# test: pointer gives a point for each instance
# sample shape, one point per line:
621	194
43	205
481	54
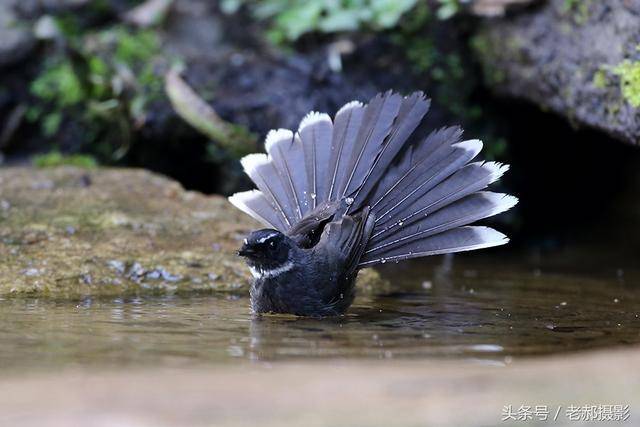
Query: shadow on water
480	308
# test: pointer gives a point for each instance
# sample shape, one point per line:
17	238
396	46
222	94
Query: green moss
629	73
578	10
55	158
600	79
482	46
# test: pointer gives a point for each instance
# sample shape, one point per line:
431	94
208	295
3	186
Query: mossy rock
579	59
69	232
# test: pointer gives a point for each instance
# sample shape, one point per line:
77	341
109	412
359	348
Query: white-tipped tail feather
349	106
277	136
312	118
251	162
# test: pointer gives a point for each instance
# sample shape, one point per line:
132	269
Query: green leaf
51	124
341	20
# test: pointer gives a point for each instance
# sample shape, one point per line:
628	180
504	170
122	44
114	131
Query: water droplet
383	260
313	195
349	201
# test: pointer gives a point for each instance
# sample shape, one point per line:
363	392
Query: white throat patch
260	273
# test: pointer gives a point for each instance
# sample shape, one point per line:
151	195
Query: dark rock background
563	55
536	80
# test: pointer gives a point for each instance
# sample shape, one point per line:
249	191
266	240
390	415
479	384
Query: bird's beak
246	252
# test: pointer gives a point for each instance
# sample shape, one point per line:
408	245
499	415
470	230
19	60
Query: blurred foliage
291	19
55	158
448	8
412	27
98	81
231	138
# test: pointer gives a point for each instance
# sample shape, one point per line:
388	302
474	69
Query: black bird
357	191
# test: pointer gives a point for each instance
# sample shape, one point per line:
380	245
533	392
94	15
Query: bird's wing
347	236
306	232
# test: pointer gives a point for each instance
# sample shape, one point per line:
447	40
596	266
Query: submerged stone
133	232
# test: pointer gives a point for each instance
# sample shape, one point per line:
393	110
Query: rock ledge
68	232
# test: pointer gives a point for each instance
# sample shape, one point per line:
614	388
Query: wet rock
134	232
576	58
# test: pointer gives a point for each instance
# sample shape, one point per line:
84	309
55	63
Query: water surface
483	309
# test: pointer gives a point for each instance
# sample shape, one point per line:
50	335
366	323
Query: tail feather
424	175
347	122
316	132
469	179
266	176
287	155
455	240
438	138
256	204
436	146
377	122
469	209
412	110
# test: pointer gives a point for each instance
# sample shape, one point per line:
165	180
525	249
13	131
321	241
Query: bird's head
266	249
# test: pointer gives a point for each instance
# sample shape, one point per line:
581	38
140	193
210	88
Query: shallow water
483	309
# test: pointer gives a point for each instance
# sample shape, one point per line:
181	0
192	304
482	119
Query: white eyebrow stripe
265	238
260	273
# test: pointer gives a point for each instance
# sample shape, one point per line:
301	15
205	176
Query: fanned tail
421	194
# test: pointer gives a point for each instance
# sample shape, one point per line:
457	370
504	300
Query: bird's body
289	289
313	280
355	192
